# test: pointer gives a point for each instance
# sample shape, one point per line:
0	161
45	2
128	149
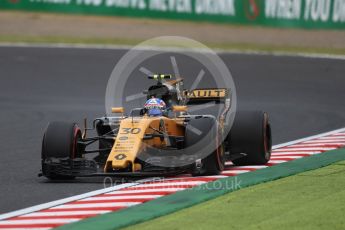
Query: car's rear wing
200	96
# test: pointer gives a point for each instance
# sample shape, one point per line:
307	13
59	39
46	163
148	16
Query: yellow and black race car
175	142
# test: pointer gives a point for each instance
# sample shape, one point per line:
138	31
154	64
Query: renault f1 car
173	143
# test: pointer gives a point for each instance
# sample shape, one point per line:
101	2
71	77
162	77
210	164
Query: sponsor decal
252	9
155	103
123	138
120	156
338	11
206	93
313	11
317	10
283	9
180	6
54	1
283	13
215	7
199	7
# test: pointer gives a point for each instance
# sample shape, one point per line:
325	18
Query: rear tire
213	163
60	141
251	134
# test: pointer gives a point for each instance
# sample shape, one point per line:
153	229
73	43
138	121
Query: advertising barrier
317	14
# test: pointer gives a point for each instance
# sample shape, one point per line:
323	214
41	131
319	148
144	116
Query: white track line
169	184
287	157
308	138
324	141
96	205
172	190
66	200
171	49
65	213
134	197
236	171
293	153
146	187
333	138
301	149
247	166
310	145
339	134
276	161
188	177
42	221
24	228
196	177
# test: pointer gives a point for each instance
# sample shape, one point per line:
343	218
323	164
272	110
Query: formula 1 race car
175	142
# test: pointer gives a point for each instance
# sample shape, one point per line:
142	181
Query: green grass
130	42
310	200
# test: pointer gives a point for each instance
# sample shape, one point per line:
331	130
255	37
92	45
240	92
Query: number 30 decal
130	131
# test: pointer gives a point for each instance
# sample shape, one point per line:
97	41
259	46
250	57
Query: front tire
213	163
60	141
251	135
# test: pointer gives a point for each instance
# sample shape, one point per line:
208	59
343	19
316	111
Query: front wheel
212	162
60	141
250	136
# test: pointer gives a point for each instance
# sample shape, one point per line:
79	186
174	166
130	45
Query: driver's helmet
155	107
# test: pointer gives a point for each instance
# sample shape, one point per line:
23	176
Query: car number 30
130	131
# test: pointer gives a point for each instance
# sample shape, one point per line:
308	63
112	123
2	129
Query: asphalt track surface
304	96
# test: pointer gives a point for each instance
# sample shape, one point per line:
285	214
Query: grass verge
130	42
310	200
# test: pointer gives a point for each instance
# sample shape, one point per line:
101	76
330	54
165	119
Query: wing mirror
179	108
118	110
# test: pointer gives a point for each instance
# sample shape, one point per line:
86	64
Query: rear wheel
60	141
250	135
196	130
